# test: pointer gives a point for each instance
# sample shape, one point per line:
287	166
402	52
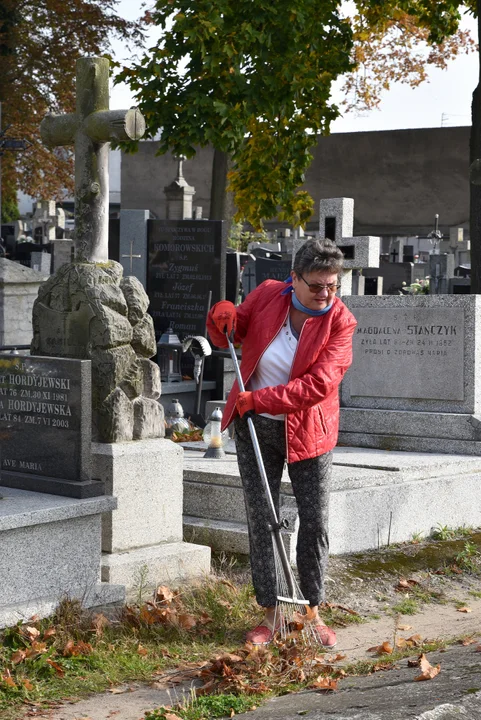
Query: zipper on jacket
288	380
260	356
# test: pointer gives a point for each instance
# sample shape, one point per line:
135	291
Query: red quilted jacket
310	400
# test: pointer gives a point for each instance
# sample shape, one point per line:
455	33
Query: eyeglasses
314	288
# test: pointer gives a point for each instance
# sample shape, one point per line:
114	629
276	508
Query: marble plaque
413	353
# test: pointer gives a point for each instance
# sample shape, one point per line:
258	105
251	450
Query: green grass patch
210	706
407	606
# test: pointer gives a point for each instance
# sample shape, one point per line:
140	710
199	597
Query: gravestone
267	269
41	261
441	270
248	279
62	253
23	252
132	253
45	424
459	286
395	274
336	222
179	195
373	285
186	260
89	310
235	262
413	382
19	286
336	218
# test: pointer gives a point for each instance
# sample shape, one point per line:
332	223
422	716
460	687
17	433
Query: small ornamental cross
131	256
90	129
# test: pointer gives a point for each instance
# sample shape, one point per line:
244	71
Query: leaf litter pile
192	636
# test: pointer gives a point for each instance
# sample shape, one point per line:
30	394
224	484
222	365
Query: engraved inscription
408	353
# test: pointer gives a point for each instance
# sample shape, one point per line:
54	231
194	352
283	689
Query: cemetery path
436	622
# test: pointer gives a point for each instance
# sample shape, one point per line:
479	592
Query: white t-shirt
274	367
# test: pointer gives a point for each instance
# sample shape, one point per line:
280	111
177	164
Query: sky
445	100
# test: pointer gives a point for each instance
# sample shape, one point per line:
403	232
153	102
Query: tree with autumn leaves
40	41
254	80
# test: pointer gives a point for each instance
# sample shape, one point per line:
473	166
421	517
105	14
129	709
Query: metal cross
90	129
131	256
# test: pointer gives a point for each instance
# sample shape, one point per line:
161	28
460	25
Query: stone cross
337	215
90	129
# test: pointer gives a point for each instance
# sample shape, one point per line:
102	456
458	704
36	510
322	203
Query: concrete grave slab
396	494
50	550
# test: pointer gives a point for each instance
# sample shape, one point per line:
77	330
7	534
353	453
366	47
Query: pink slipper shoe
262	634
324	635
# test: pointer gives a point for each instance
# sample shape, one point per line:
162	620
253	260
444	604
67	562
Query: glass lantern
213	436
174	418
169	354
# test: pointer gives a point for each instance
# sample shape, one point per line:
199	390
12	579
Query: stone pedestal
144	535
50	550
19	287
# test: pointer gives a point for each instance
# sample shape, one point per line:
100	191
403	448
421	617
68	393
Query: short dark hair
316	255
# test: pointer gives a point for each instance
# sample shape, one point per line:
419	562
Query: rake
291	614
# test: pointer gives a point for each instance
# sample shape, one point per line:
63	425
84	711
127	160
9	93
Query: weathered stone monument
89	310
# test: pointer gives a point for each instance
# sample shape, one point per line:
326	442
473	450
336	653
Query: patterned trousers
310	483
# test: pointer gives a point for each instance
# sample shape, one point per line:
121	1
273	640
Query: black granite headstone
186	260
235	262
114	239
45	425
272	269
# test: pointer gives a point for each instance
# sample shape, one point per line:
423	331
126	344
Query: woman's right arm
243	315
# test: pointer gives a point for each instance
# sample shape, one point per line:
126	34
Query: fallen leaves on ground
324	683
428	671
404	585
465	609
165	609
260	669
413	641
384	649
468	641
337	606
80	648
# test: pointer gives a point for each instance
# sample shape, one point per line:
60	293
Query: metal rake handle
260	464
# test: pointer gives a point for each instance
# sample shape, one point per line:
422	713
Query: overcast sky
444	100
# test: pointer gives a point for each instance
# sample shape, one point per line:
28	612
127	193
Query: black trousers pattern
310	483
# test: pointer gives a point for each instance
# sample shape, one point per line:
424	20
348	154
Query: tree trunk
475	190
221	201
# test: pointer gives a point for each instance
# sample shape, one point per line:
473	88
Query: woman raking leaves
296	342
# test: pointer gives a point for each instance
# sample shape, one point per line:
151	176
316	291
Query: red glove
224	316
245	403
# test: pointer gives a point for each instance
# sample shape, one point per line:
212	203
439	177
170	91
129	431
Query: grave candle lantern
169	353
214	437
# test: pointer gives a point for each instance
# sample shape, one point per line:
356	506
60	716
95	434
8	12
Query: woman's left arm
322	378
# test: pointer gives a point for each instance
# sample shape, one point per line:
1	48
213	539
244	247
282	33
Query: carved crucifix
90	129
